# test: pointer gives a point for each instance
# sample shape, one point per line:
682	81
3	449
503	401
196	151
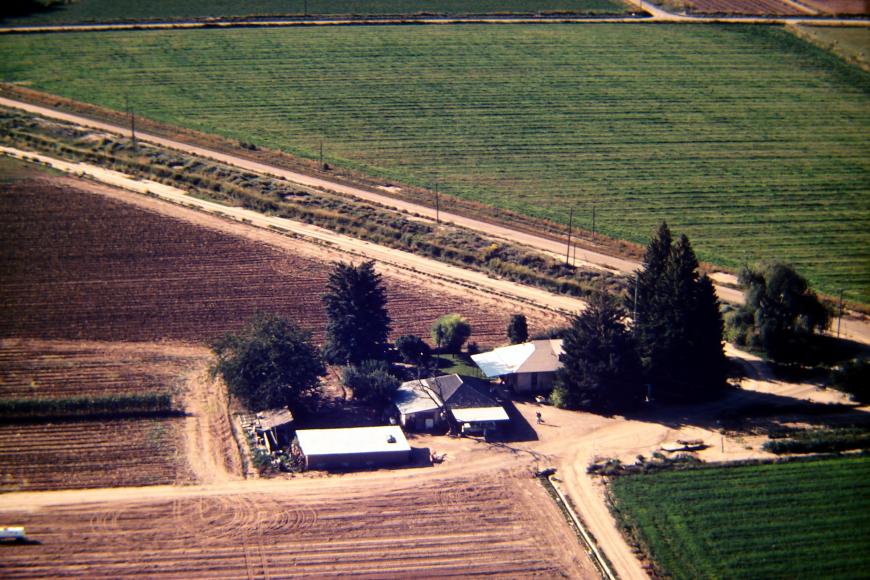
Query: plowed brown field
498	525
855	7
80	266
93	454
743	7
39	368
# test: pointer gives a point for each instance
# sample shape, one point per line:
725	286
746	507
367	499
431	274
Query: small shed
356	447
275	426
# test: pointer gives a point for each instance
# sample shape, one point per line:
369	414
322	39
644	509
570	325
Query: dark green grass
808	519
749	140
127	10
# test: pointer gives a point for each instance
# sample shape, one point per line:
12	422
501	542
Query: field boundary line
598	558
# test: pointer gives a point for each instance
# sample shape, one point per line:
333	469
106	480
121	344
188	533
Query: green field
126	10
807	519
851	43
749	140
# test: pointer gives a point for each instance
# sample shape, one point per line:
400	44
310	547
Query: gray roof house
527	367
425	404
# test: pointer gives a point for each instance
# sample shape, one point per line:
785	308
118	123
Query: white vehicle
13	534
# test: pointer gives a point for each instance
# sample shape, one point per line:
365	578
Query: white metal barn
356	447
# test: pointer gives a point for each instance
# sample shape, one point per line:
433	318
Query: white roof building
353	447
538	356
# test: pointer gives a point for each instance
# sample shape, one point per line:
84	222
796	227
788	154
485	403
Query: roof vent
391	439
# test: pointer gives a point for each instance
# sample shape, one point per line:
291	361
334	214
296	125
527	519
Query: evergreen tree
679	325
357	320
269	363
518	329
601	369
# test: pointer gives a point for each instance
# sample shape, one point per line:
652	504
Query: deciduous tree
450	332
781	312
269	363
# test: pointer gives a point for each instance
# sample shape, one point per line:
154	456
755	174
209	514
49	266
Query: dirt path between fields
657	15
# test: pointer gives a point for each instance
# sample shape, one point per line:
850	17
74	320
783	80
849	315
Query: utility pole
437	205
321	153
570	225
840	315
593	222
132	121
634	316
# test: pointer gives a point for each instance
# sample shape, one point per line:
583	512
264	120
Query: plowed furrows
42	369
130	274
90	454
259	535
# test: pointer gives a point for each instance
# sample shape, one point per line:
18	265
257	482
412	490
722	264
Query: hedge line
81	407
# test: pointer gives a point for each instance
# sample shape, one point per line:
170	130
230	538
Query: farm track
760	12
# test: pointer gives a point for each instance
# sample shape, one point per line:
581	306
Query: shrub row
273	196
87	407
821	441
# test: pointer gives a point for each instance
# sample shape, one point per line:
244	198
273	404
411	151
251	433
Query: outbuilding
424	404
356	447
529	367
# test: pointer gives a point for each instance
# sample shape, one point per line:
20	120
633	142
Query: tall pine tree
601	369
356	309
679	325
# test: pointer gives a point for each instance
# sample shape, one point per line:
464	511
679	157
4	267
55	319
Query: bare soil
136	275
502	525
836	7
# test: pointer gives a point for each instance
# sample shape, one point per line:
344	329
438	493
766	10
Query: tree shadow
745	410
517	429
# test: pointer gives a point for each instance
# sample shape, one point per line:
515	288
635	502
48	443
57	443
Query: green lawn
793	520
125	10
749	140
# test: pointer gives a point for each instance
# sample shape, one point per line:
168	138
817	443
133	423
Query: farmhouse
357	447
426	404
527	367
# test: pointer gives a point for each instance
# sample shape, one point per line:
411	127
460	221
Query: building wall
417	421
532	382
357	460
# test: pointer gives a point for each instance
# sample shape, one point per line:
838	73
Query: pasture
129	10
805	519
720	130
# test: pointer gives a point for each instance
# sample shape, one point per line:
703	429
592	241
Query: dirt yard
501	525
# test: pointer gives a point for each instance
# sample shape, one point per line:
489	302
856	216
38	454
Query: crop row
92	454
716	129
740	521
36	370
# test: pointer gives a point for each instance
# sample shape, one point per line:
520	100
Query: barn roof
538	356
352	440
